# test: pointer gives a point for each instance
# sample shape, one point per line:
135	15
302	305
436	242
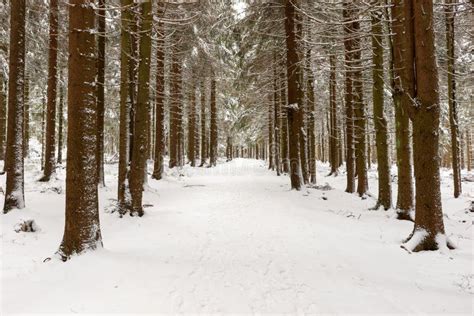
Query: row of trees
287	81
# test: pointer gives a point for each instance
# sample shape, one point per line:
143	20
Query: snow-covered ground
236	239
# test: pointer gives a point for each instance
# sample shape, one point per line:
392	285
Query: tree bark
403	94
100	91
294	80
60	124
82	226
123	194
140	143
348	14
428	233
380	122
192	126
49	161
453	111
159	100
213	127
3	117
26	120
14	194
203	124
333	139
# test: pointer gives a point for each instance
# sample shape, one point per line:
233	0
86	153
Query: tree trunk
333	140
14	194
123	196
49	160
192	126
82	226
294	80
284	122
428	233
453	111
3	117
213	127
159	100
271	129
404	90
60	125
203	124
380	122
276	119
26	119
311	123
360	119
348	14
100	91
140	144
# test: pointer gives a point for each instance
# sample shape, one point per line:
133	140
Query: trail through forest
235	239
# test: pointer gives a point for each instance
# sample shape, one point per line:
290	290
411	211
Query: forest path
235	239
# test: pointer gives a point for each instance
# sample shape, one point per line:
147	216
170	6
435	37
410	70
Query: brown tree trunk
453	111
276	119
123	194
140	144
428	233
192	126
49	160
311	123
380	122
213	127
284	122
348	15
100	91
14	194
175	108
404	90
159	100
294	80
203	124
3	117
333	140
360	119
271	129
26	119
82	226
60	125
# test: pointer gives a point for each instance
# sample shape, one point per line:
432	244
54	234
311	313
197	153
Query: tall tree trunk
380	122
271	130
49	161
175	108
60	125
82	226
3	117
453	111
404	91
192	126
333	139
100	91
348	15
428	233
284	121
14	194
276	118
213	127
294	80
311	123
126	97
159	100
26	117
140	144
360	119
203	124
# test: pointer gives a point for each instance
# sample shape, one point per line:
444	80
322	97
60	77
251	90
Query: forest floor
235	239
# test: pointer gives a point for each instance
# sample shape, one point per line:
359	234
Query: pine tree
453	107
213	127
404	89
294	81
428	233
140	143
14	194
100	91
82	226
50	161
380	122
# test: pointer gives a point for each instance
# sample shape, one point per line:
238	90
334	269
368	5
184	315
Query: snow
236	239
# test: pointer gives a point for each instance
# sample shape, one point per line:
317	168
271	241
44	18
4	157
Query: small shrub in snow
28	226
